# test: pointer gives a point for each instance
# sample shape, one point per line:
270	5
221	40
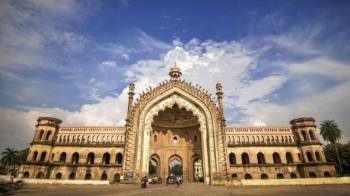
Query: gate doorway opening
175	167
198	170
175	142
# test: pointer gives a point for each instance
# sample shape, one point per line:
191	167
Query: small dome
175	72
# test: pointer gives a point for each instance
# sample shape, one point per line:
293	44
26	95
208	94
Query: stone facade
176	125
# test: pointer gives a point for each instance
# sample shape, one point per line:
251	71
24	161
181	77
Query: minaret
175	72
131	98
219	94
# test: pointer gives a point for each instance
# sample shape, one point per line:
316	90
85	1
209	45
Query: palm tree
9	157
331	133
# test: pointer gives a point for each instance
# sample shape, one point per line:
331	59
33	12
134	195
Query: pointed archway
205	128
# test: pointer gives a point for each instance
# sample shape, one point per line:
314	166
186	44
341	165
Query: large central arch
190	103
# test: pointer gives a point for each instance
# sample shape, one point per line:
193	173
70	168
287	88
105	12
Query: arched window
52	156
312	135
261	158
91	158
119	158
245	158
276	158
63	157
248	176
40	175
234	175
26	174
326	174
318	156
289	158
35	156
41	134
312	175
75	158
58	176
104	176
106	158
280	176
43	156
155	138
88	176
293	175
48	134
232	159
305	138
264	176
175	140
195	139
71	176
117	178
309	157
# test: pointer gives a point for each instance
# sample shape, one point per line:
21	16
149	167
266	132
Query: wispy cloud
27	33
107	65
150	42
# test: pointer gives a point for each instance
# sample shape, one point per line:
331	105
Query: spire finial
175	72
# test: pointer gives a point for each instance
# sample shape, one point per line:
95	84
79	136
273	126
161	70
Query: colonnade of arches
72	176
175	166
291	175
245	158
259	139
90	138
75	158
308	135
44	135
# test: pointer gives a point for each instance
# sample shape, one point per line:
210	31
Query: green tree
331	133
176	169
22	155
10	158
152	170
344	154
2	169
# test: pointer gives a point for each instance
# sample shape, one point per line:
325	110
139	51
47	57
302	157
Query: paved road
183	190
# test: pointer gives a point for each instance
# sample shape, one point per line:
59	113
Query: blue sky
277	60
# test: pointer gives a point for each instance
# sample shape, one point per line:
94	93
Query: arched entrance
197	169
174	139
154	166
139	131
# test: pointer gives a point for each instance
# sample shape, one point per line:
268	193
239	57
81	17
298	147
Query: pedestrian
178	181
144	182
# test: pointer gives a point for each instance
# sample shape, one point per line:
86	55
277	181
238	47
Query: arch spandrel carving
168	85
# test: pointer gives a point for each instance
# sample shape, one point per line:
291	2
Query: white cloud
331	104
259	89
150	42
93	89
297	40
323	66
107	65
29	28
117	49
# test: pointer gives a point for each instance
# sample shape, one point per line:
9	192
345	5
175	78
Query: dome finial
175	72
